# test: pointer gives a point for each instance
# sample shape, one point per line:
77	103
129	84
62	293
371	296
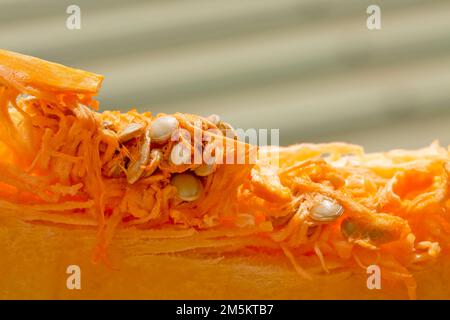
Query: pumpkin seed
348	228
162	128
227	130
189	187
326	210
156	156
180	154
133	130
205	169
374	233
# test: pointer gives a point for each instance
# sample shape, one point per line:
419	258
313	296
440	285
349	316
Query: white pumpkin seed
205	169
180	154
131	131
156	156
162	128
136	166
326	210
189	187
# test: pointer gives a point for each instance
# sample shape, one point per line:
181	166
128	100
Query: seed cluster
144	147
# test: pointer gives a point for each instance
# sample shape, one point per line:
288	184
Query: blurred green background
308	67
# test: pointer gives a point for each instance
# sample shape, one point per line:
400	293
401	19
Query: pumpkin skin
35	257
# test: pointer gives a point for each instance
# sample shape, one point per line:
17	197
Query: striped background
308	67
